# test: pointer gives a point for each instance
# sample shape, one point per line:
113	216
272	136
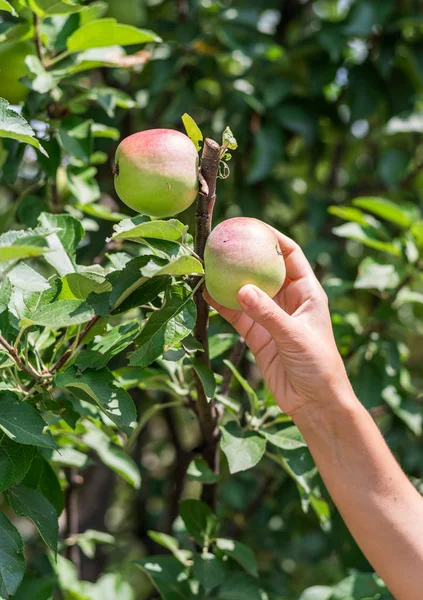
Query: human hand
291	335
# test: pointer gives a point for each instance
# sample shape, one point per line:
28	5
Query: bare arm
292	340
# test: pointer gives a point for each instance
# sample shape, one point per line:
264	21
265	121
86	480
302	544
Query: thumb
262	309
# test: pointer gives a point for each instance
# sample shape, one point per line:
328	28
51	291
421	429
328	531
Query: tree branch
66	356
235	358
206	411
38	43
28	369
72	515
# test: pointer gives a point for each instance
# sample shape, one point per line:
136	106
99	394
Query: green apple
240	251
157	172
13	68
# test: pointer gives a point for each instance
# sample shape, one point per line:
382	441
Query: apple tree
141	454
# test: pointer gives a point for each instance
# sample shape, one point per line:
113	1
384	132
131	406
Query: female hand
291	336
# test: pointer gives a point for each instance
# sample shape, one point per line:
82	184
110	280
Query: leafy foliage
100	370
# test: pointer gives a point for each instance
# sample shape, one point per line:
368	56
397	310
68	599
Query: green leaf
366	15
75	137
172	544
44	8
366	236
15	461
317	592
112	456
228	139
402	214
12	561
289	438
416	230
182	265
78	286
168	575
206	376
367	586
221	343
41	477
43	81
169	325
374	274
252	396
243	449
171	230
30	503
193	131
349	213
102	349
239	586
98	386
63	242
62	313
209	570
24	277
4	5
199	520
409	412
101	33
15	127
23	423
8	253
200	471
241	553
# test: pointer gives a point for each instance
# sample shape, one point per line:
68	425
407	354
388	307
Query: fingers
264	311
237	318
297	266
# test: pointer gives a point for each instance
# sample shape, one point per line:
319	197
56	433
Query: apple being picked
241	251
157	172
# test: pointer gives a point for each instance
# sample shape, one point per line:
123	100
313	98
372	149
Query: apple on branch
240	251
156	172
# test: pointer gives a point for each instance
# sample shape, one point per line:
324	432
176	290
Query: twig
235	358
28	369
72	515
74	347
38	43
206	411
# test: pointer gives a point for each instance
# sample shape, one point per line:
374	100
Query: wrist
326	414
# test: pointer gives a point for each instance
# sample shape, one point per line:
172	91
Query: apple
13	68
241	251
156	172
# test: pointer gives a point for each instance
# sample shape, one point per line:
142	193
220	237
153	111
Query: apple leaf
12	561
171	230
193	131
13	126
4	5
183	265
102	33
243	449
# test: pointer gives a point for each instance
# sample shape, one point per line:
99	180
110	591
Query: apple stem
208	415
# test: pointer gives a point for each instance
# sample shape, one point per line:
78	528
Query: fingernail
248	296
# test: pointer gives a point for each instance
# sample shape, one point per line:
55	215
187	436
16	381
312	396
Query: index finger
297	266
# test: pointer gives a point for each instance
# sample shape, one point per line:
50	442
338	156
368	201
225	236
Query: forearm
379	505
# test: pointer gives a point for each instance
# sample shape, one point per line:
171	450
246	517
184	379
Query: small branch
75	347
28	369
72	516
38	43
206	411
235	358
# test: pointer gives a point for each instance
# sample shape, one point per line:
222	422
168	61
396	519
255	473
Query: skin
157	172
13	68
292	340
240	251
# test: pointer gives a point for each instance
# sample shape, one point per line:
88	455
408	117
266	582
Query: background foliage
101	454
